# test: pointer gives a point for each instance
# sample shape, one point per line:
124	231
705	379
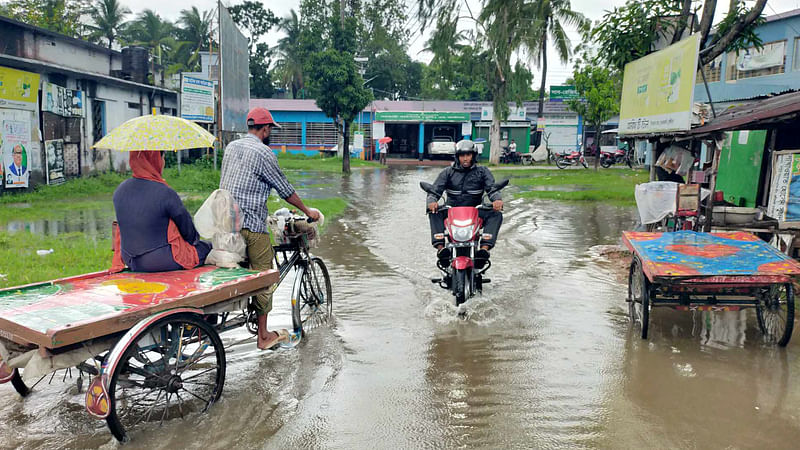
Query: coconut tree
151	31
552	15
109	21
289	65
195	32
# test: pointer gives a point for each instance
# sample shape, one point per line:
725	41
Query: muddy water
545	359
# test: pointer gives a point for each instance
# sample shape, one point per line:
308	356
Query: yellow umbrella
157	133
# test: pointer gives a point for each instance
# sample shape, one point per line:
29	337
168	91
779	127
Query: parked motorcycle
463	229
570	159
618	155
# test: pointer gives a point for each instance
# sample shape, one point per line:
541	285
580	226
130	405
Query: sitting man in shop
465	183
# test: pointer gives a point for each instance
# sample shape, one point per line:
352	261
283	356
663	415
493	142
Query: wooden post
712	185
653	153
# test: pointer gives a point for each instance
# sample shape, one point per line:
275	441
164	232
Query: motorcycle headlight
461	234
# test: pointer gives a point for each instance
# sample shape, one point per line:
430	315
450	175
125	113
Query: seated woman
156	231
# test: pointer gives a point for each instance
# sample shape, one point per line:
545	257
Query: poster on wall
15	142
62	101
197	99
55	161
784	191
19	89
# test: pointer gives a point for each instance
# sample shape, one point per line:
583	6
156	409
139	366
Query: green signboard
740	166
563	93
421	116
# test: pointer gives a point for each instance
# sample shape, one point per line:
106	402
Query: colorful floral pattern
685	253
157	133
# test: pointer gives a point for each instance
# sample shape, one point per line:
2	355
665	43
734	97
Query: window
796	58
291	133
321	133
752	63
98	119
133	105
713	71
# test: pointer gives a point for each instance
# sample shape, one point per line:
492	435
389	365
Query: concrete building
71	92
753	73
413	124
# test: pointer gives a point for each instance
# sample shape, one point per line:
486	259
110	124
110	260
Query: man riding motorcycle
465	182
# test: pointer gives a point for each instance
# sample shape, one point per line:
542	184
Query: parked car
443	143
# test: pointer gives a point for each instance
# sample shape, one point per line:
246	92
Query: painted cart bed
71	310
688	270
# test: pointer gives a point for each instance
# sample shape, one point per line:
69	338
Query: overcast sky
556	72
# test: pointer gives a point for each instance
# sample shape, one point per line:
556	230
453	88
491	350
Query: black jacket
464	187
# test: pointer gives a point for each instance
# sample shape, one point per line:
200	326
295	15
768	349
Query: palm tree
109	21
152	32
195	31
552	15
289	65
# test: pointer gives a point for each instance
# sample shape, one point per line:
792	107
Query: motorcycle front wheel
605	162
561	162
461	286
583	161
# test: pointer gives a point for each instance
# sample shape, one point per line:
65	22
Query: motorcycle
618	155
570	159
463	229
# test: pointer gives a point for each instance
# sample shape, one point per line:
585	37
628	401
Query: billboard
561	93
197	99
235	74
658	90
18	89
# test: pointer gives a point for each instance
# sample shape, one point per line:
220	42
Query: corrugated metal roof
284	104
783	15
753	115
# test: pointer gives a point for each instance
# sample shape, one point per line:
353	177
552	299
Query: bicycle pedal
486	281
436	280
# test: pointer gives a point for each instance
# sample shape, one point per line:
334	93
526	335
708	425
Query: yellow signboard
658	90
18	89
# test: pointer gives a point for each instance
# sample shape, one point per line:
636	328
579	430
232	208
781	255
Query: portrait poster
15	139
55	161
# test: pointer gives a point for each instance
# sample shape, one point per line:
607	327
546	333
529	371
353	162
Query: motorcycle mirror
500	185
427	187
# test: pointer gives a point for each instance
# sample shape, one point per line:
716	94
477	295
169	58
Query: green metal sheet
421	116
740	166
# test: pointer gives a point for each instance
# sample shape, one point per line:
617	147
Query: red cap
261	116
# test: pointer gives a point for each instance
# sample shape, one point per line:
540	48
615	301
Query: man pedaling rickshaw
465	183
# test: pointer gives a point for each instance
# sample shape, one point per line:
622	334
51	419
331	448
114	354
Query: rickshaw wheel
638	296
775	313
19	385
175	367
312	297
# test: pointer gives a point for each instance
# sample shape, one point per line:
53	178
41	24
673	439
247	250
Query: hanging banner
55	161
15	141
658	90
358	140
197	99
378	130
769	56
18	89
62	101
784	191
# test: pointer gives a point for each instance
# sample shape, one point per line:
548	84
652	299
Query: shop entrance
405	140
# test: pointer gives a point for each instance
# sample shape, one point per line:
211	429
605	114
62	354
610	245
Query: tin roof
752	115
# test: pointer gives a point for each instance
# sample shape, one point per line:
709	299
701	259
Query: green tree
156	34
109	21
631	31
552	15
333	72
599	89
256	22
289	65
60	16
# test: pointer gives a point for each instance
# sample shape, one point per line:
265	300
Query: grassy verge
289	161
73	254
611	186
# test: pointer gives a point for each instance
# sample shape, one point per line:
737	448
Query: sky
556	71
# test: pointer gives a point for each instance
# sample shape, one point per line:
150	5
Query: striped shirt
249	171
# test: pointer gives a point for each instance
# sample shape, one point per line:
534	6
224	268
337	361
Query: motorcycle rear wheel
605	162
561	162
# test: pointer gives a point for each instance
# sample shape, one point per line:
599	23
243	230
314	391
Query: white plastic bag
220	219
283	235
540	154
655	200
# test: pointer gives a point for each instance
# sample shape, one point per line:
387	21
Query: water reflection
94	223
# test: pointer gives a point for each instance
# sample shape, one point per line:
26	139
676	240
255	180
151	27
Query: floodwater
546	358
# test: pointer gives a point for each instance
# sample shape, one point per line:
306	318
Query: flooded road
546	358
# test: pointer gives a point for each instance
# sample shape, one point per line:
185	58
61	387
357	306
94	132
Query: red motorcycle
463	229
570	159
618	155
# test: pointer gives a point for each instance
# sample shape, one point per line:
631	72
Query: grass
76	253
73	254
290	161
610	186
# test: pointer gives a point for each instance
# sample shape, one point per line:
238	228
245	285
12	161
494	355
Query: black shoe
444	255
481	258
